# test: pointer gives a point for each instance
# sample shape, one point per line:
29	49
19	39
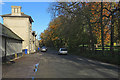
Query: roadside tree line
81	24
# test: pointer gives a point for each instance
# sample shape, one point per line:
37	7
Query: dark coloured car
44	49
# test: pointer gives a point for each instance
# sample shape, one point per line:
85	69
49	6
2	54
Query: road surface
50	65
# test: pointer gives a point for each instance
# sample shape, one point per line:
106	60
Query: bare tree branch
107	9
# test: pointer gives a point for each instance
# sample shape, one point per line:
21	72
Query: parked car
43	49
63	51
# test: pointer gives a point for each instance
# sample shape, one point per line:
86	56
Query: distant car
63	51
44	49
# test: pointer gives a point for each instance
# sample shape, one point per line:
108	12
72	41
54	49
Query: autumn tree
80	23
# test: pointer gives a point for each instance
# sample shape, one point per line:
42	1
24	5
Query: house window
16	10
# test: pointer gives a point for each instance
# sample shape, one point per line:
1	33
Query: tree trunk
112	35
102	29
119	27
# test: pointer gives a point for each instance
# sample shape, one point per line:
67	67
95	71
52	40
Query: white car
63	51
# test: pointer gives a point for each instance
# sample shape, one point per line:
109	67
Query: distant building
37	44
33	38
34	42
11	43
20	24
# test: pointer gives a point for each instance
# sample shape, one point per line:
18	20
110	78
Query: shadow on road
101	68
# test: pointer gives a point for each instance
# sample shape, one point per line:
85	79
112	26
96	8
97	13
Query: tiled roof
6	32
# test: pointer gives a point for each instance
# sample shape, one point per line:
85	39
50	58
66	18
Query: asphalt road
51	65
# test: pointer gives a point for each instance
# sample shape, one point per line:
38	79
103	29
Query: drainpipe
5	50
35	42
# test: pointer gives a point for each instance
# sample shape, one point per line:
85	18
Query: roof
6	32
22	15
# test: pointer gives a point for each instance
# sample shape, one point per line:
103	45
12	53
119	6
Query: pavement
51	65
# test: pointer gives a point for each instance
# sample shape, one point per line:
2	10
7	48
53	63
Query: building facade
34	42
20	24
11	43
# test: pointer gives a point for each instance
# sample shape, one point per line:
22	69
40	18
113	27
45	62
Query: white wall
19	26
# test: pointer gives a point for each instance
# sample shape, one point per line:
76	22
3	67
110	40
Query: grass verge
106	57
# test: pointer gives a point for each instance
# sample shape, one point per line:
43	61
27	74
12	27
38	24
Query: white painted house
20	24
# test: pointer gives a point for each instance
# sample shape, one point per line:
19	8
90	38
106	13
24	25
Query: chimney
16	10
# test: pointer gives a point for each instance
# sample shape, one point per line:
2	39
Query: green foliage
76	25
